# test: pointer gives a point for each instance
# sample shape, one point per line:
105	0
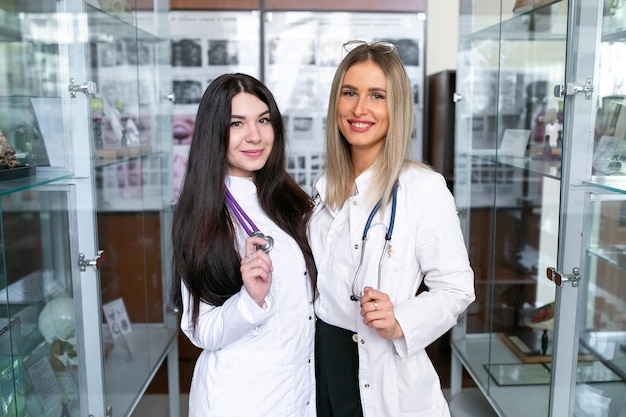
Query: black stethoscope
392	220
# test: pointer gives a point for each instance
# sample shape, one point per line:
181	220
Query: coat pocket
418	386
246	382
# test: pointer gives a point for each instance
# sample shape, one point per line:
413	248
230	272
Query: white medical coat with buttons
256	362
396	377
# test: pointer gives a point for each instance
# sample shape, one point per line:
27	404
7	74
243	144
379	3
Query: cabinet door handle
571	89
559	278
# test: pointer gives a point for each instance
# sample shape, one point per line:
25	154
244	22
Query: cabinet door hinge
88	88
571	89
96	261
559	278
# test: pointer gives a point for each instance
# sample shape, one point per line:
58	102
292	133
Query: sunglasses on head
382	46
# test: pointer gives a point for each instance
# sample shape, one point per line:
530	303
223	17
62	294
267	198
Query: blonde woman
382	225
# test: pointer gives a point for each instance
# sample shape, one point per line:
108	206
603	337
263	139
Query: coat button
367	385
355	338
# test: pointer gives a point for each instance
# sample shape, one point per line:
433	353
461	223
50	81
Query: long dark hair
205	257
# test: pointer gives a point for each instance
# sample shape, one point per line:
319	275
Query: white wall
442	33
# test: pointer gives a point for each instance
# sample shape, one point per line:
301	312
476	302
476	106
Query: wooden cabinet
439	132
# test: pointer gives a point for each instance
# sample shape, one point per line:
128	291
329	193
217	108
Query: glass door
538	184
84	112
601	378
507	187
130	159
541	132
42	354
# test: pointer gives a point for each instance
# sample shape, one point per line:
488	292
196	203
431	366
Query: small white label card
604	152
45	383
117	318
514	142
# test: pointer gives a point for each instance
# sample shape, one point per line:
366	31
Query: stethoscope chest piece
248	225
269	242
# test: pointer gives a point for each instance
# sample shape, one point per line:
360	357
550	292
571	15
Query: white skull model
57	322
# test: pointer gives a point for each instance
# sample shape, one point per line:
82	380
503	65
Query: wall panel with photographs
204	46
303	51
296	57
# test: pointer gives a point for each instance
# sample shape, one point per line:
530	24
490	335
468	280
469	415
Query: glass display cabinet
540	185
85	206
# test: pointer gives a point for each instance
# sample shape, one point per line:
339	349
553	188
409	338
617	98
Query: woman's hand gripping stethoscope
256	270
377	313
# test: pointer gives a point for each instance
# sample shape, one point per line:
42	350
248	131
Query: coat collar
362	183
240	187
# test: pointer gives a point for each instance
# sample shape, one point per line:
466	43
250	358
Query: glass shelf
531	165
101	163
34	288
614	183
96	26
478	350
616	255
126	379
107	27
532	25
42	176
548	168
616	35
610	346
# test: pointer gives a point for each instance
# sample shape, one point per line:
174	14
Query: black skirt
336	371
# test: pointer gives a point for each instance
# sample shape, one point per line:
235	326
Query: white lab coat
256	362
396	377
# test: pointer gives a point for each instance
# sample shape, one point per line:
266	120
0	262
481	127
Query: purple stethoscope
247	223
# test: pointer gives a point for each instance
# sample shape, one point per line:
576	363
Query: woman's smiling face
251	135
362	114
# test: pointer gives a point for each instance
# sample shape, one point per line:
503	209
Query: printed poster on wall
204	46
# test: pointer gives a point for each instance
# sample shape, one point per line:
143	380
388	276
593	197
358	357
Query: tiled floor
157	405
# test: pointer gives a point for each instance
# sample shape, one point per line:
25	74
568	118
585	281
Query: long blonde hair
390	161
